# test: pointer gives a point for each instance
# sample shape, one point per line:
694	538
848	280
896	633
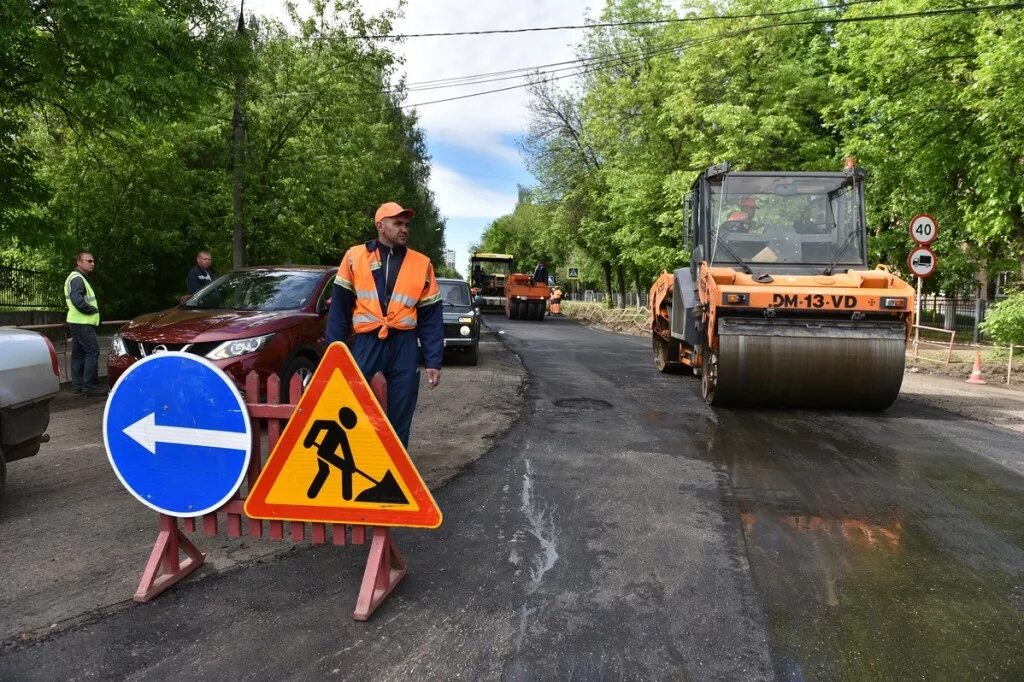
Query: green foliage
115	137
524	233
1004	322
930	106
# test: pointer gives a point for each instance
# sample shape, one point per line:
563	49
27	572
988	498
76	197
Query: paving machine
524	298
778	306
488	272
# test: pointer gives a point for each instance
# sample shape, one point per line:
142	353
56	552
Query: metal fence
962	315
633	299
30	289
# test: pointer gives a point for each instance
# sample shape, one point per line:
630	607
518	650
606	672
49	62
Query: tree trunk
607	268
641	295
621	272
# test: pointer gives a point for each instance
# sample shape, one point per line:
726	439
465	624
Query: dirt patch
472	408
996	364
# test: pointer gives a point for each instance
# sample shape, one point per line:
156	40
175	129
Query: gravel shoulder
73	542
992	403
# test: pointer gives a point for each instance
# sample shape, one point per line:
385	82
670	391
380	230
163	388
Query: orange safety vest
415	287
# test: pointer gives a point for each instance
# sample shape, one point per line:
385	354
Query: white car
29	379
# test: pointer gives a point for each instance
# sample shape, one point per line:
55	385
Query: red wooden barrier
384	568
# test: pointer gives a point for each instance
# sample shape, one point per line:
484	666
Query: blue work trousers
397	357
85	353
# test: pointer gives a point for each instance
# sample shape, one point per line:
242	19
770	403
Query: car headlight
465	320
232	349
117	346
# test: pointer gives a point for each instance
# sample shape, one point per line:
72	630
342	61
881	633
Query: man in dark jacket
540	275
386	306
201	274
83	319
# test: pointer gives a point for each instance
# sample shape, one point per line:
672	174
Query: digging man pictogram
335	437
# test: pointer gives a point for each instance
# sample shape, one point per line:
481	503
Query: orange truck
778	305
524	298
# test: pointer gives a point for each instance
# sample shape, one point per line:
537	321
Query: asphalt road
622	529
73	541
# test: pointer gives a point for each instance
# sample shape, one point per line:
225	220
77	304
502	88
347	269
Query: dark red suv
268	319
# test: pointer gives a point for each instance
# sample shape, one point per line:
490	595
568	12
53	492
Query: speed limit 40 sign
923	229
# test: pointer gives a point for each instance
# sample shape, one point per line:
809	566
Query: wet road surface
625	530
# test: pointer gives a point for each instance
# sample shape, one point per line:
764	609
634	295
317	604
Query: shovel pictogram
334	437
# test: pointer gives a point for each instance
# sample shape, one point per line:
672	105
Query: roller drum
809	363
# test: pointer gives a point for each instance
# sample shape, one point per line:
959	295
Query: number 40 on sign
924	229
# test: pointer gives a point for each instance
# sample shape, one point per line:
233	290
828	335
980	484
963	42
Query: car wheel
302	366
472	354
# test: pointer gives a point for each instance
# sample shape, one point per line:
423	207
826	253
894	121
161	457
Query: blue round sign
177	434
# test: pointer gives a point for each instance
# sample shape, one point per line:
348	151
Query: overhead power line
730	34
618	24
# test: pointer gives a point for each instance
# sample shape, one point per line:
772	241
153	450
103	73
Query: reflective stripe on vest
76	316
415	280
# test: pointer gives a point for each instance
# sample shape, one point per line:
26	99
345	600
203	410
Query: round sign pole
917	315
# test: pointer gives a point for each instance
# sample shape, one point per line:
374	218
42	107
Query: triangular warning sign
339	460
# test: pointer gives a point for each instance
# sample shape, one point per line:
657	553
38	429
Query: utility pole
238	152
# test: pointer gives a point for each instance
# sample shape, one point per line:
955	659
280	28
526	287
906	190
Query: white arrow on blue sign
177	434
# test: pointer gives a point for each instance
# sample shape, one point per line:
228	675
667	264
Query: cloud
459	197
481	126
476	121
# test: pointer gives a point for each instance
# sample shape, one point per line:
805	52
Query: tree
327	141
95	66
524	234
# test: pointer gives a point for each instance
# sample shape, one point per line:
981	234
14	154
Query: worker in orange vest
742	220
385	299
556	301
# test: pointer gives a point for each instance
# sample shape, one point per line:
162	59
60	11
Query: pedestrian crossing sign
339	460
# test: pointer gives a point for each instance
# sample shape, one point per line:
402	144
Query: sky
475	164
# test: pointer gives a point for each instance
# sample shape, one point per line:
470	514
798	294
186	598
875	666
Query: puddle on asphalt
903	561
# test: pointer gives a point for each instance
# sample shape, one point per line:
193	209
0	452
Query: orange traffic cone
976	377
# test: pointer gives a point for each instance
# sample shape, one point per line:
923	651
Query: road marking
146	433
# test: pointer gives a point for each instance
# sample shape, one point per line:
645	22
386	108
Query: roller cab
778	306
488	274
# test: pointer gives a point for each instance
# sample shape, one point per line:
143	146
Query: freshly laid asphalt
623	529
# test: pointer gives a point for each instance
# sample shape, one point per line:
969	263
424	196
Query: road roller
778	306
524	298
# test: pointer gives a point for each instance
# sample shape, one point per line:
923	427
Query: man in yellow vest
83	319
385	299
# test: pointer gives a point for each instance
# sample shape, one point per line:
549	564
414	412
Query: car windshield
258	290
455	293
811	221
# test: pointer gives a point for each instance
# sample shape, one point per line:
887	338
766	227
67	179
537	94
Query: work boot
98	392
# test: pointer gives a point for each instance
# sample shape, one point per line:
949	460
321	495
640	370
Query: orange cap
748	202
390	210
